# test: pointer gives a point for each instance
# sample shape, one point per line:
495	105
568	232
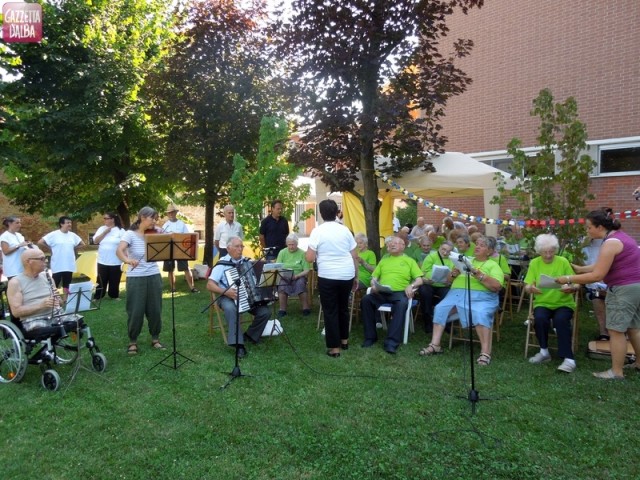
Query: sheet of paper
548	282
460	264
439	273
381	288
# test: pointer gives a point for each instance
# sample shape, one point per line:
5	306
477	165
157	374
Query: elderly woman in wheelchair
39	333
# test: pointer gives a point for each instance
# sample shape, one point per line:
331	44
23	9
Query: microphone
466	262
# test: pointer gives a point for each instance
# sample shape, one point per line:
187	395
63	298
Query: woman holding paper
432	291
551	304
618	265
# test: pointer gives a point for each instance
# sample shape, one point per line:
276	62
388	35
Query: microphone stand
474	395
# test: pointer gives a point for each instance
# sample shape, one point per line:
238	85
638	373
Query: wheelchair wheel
66	349
13	360
99	362
50	380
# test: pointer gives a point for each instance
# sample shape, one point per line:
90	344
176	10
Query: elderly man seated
292	258
486	280
219	284
31	294
393	281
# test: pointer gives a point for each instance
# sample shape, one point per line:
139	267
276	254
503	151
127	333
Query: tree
363	71
273	178
554	184
79	136
215	88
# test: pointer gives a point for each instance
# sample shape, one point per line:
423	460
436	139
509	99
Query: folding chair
460	334
532	340
217	312
354	309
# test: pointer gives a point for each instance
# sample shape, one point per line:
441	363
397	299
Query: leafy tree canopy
79	136
210	97
272	178
363	71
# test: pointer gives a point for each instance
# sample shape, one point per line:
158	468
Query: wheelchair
47	347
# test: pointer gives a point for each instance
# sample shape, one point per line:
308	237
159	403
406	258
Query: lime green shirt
293	261
432	259
550	297
363	274
502	261
397	271
488	267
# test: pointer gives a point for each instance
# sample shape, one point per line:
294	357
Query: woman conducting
333	247
618	266
144	283
551	304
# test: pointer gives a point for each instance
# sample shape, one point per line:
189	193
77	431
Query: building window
617	159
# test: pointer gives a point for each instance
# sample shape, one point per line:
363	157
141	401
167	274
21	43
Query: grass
303	415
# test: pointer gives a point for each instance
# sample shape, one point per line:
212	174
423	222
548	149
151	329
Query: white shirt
174	227
225	230
137	250
108	246
12	264
63	254
333	244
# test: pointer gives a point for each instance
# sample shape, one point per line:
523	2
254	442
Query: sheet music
440	273
460	264
548	282
80	297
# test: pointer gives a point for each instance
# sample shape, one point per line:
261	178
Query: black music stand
80	299
171	246
271	279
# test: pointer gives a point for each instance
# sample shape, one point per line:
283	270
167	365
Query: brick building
587	49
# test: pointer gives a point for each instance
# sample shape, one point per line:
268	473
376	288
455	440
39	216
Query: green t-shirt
413	251
502	261
397	271
434	258
294	261
363	274
550	297
488	267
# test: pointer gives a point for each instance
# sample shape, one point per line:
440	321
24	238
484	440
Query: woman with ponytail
144	283
618	265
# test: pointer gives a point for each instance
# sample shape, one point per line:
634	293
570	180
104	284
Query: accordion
250	294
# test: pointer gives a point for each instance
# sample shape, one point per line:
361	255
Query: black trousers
108	281
334	297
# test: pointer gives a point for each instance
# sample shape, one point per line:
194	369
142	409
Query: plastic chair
409	318
532	340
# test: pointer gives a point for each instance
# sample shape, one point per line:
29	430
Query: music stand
270	278
171	246
80	299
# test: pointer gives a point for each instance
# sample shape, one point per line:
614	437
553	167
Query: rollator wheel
99	362
13	361
50	380
67	349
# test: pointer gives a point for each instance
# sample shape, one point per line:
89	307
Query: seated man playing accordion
219	284
31	294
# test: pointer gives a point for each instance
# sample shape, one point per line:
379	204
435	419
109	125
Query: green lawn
303	415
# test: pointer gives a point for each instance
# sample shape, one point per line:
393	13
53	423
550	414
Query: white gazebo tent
456	175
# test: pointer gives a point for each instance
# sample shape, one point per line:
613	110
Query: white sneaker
567	366
540	358
378	325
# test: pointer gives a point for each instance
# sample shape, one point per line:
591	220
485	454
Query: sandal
431	350
157	345
608	375
132	349
484	359
603	338
631	366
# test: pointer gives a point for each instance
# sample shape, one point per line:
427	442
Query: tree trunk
209	212
125	215
371	204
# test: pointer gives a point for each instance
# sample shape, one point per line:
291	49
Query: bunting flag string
492	221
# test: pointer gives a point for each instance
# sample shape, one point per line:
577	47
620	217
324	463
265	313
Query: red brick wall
587	49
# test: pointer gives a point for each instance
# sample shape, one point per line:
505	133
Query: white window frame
615	144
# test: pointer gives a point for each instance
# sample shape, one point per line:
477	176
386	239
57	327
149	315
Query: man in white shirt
173	225
227	229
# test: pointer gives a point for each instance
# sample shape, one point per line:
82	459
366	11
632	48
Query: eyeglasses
42	259
107	218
